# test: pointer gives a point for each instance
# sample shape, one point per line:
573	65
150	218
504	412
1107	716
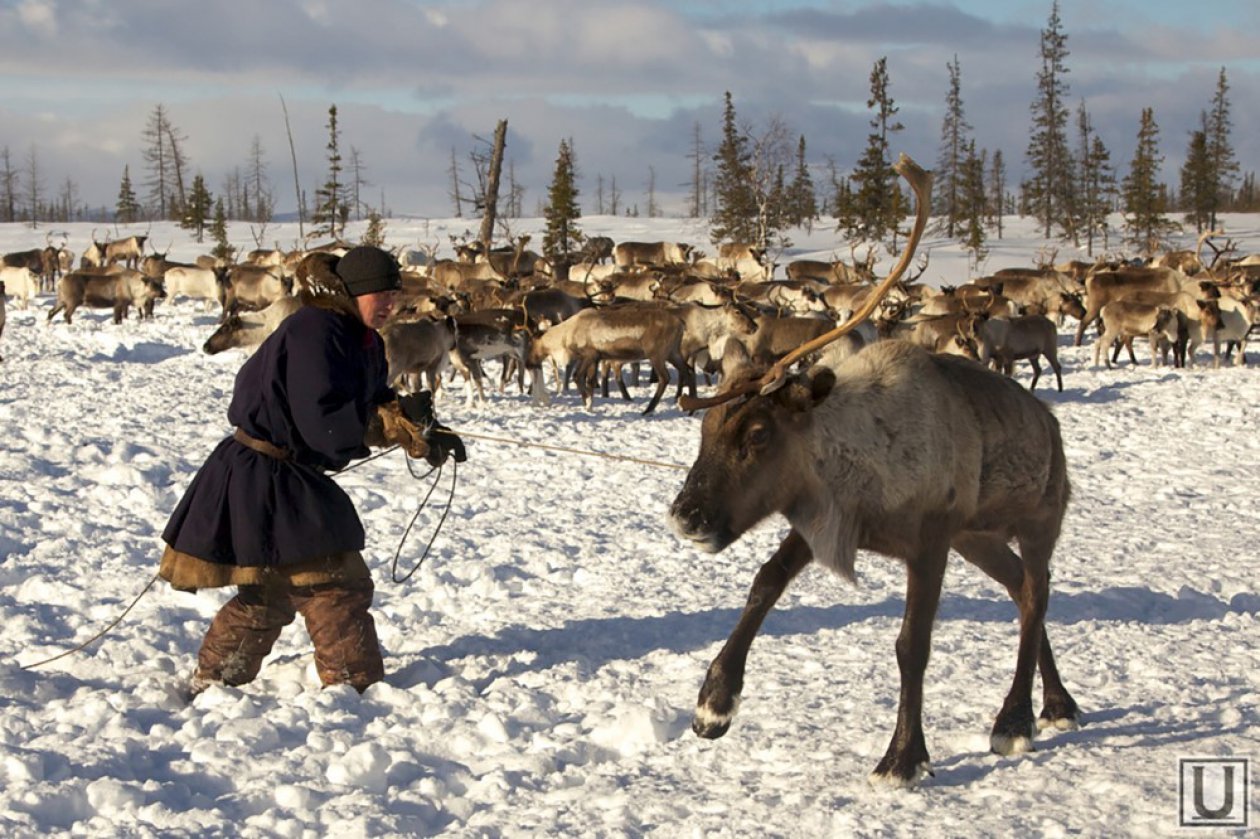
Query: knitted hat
367	269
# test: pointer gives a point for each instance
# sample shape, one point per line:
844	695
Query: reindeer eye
758	435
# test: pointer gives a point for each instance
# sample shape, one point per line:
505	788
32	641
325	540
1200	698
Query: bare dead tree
8	187
297	184
697	156
357	181
492	186
34	186
179	163
769	152
256	176
516	192
456	196
614	196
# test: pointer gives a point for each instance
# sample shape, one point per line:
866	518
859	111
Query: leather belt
261	446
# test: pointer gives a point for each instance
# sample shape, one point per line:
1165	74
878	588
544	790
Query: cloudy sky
626	81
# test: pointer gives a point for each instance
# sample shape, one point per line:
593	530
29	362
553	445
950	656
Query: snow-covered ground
543	664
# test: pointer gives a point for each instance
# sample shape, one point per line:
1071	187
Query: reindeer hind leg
1013	729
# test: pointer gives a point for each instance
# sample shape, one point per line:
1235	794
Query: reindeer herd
618	306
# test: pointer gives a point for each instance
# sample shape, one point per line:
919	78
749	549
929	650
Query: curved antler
920	181
1198	249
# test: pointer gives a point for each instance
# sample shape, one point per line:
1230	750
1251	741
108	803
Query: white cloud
39	15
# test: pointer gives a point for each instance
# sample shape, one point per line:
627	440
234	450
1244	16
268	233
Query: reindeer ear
805	392
821	384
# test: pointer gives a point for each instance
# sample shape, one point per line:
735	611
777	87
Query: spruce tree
735	206
777	209
997	191
219	233
330	197
1224	167
1145	198
562	238
1049	191
1096	183
1248	198
1198	188
198	208
950	160
375	233
972	203
874	205
802	203
127	209
842	204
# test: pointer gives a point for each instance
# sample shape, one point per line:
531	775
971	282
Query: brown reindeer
890	453
624	333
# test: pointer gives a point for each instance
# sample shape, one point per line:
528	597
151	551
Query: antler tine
689	403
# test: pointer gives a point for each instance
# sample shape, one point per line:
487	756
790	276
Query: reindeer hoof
1059	717
904	764
884	777
711	725
1007	745
1058	724
1013	732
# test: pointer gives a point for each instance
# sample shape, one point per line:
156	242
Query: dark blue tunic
310	389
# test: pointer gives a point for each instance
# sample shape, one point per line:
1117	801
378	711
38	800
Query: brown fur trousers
337	618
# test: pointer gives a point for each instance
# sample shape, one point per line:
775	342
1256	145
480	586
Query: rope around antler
920	181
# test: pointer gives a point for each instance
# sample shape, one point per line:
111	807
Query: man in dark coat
262	513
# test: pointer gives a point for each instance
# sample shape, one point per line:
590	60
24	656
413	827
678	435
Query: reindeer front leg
719	695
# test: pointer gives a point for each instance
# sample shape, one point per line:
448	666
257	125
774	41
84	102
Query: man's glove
443	443
418	407
390	426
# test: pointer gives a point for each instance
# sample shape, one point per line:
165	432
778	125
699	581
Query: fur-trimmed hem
188	573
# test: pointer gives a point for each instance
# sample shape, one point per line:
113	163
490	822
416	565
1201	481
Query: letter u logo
1227	805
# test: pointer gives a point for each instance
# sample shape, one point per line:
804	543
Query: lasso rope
98	635
587	452
393	568
406	533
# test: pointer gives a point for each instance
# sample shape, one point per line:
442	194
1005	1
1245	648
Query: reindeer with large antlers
900	452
